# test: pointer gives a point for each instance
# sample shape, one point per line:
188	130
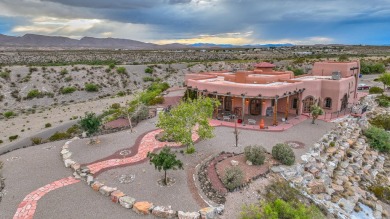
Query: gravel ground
146	188
109	144
28	169
67	202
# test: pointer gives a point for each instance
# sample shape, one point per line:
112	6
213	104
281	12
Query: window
328	103
294	103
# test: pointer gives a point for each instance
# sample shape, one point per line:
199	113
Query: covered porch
252	110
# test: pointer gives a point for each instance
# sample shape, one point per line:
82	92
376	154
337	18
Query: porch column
287	107
243	109
223	104
216	107
299	104
275	123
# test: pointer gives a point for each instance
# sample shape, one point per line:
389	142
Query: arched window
328	103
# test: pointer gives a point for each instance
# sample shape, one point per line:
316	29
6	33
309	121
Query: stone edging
140	207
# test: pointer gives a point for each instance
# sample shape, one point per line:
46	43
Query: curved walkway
27	207
146	143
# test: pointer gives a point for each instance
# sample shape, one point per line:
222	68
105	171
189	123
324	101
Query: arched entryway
344	102
255	107
307	103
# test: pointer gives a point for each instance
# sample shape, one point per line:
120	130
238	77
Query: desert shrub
381	121
6	75
149	70
68	90
111	65
381	192
121	70
378	138
1	164
375	90
64	71
121	93
33	94
59	136
284	154
156	100
67	79
281	209
190	150
91	87
13	137
47	125
1	97
383	100
36	140
146	79
9	114
332	144
73	130
115	106
233	178
1	141
255	154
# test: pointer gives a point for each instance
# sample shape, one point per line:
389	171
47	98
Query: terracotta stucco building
266	92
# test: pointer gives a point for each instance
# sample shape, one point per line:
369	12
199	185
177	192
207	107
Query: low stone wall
126	201
335	174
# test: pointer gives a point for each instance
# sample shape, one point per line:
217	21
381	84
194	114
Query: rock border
140	207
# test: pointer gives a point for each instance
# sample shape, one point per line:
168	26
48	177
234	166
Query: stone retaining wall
335	174
126	201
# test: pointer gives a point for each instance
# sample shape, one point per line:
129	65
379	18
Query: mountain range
41	41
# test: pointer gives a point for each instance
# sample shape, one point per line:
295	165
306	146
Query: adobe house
266	92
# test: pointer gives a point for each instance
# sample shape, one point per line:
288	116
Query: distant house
332	85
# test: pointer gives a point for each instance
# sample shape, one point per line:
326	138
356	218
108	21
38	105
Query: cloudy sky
206	21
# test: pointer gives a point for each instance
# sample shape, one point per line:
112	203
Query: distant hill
41	41
34	40
211	45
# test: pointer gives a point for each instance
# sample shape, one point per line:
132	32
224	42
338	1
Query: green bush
121	70
1	141
156	100
5	75
68	90
381	121
375	90
121	94
59	136
149	70
47	125
115	106
63	72
332	144
33	94
281	209
90	87
383	100
284	154
190	150
233	178
255	154
36	140
13	137
146	79
378	139
8	114
75	129
111	65
381	192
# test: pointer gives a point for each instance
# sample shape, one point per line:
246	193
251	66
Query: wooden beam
287	106
275	123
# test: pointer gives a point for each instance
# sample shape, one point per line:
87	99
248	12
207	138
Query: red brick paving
27	207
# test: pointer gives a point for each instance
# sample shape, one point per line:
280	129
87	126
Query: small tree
236	132
90	123
385	79
316	111
180	122
165	160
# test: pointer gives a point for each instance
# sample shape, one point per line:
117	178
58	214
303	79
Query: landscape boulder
163	212
127	201
188	215
142	207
